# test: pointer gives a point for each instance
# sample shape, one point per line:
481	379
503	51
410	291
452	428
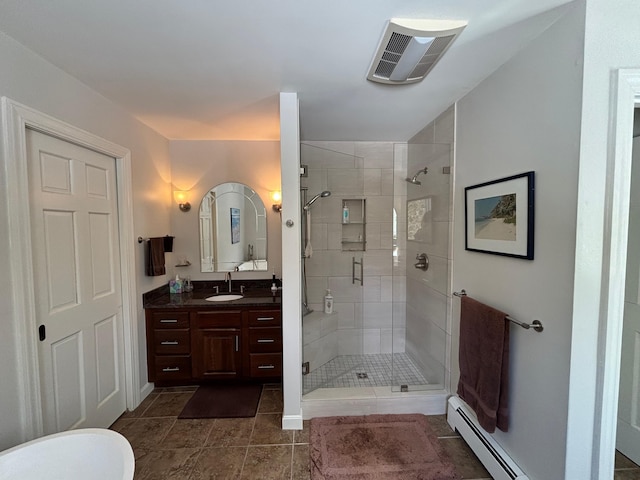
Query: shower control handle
423	262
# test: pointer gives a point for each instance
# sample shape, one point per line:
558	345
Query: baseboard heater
488	451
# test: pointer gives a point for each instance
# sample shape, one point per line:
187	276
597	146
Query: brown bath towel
155	257
484	363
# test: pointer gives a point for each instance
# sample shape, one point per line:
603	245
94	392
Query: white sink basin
224	298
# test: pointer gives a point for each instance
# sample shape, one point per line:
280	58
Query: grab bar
355	279
536	324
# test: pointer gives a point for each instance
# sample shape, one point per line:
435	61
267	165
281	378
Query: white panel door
77	283
628	441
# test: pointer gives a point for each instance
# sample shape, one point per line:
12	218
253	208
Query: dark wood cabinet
190	345
168	345
216	347
264	345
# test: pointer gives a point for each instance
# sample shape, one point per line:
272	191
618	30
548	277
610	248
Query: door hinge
305	368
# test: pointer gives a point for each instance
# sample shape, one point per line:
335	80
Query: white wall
198	166
526	116
291	292
27	79
612	41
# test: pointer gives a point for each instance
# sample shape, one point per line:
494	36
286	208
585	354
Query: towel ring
536	324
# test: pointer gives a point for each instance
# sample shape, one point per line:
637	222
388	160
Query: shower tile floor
348	370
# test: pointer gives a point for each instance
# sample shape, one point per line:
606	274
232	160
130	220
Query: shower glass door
334	241
420	284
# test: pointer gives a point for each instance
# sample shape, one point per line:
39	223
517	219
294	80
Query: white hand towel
308	251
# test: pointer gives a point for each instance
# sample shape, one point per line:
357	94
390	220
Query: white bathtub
91	453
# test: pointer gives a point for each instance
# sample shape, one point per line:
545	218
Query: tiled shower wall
400	308
428	296
362	319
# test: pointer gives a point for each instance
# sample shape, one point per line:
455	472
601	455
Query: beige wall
27	79
198	166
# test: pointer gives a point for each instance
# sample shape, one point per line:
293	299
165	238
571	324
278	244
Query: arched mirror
233	230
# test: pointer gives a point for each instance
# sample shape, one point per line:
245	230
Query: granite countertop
257	294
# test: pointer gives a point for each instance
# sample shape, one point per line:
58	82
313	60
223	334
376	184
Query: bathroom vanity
191	340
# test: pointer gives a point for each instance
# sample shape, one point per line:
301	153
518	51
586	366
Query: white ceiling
207	69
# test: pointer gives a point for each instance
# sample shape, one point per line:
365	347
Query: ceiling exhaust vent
410	48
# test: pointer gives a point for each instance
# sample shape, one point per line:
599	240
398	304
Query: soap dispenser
328	303
175	286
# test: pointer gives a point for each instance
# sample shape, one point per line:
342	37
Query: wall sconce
276	198
182	198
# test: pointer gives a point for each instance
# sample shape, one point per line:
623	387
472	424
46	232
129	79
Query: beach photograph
495	218
499	216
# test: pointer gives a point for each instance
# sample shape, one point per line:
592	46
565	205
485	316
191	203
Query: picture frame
235	225
500	216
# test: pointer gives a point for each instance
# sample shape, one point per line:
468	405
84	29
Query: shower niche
354	224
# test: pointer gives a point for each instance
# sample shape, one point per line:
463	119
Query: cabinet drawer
172	341
265	318
173	367
265	364
222	318
265	340
170	319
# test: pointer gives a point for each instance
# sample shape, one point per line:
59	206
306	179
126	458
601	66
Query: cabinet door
216	353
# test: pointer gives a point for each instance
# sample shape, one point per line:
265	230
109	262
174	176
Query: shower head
414	179
326	193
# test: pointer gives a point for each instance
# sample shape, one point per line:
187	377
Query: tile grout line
253	428
201	450
291	463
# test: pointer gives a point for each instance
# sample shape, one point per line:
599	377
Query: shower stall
389	324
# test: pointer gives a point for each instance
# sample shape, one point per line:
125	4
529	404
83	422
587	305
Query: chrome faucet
227	278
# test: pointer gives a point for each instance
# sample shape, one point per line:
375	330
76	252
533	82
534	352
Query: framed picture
235	225
499	216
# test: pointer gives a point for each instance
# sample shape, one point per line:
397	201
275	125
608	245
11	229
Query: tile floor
343	371
166	447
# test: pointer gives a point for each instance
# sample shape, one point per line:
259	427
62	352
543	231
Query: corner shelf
354	233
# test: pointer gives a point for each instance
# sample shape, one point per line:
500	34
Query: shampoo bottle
328	303
345	213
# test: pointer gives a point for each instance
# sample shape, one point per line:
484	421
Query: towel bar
536	324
